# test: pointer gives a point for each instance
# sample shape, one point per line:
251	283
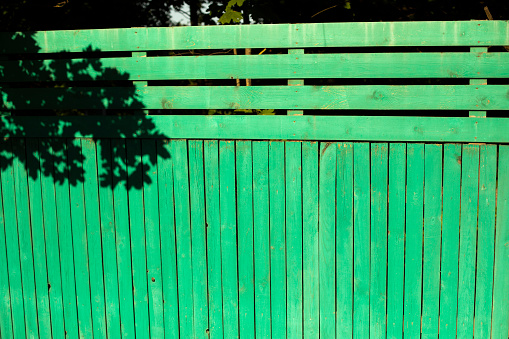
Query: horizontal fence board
369	97
346	128
272	66
424	33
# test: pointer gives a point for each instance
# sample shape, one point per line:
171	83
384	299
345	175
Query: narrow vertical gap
269	226
253	235
302	234
320	154
353	236
423	239
387	181
235	196
285	236
405	236
369	221
495	234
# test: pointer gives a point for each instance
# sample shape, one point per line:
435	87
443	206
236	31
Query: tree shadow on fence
42	85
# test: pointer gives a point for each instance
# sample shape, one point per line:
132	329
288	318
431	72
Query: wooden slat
198	239
362	241
59	149
213	219
244	176
468	240
51	240
277	238
123	239
450	240
310	239
167	227
327	238
485	241
270	66
5	303
261	238
38	240
137	228
424	33
344	241
294	240
79	237
368	97
229	252
413	254
396	240
346	128
94	237
432	239
153	238
108	227
500	325
183	237
378	251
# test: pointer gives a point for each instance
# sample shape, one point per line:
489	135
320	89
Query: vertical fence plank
25	237
107	223
213	239
500	324
432	239
378	271
137	227
245	238
122	237
79	234
327	238
277	238
229	238
261	238
485	241
6	325
183	236
91	193
361	239
38	239
168	246
310	239
344	240
450	240
294	238
414	232
12	241
197	190
396	240
51	239
468	235
153	242
65	234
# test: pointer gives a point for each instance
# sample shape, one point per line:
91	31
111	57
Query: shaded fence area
133	206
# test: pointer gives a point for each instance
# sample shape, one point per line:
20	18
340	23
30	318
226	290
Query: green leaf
230	16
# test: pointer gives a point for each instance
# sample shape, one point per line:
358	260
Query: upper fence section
362	34
403	66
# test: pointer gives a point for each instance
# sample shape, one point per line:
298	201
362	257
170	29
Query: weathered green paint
424	33
271	66
346	128
256	226
375	97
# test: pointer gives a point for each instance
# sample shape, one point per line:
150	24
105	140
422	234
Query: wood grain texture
366	97
424	33
270	66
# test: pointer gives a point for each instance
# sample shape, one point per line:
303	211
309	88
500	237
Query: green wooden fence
285	226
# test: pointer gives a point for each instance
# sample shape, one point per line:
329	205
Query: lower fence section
139	238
